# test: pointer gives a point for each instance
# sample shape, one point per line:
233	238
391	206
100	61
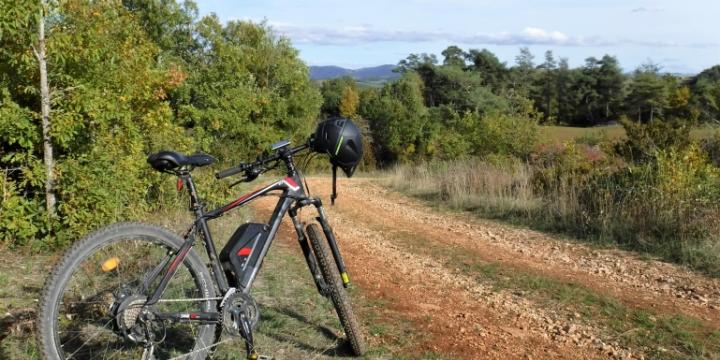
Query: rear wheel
336	290
92	301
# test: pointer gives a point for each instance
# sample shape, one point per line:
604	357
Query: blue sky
681	36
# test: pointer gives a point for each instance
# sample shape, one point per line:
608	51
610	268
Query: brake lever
250	175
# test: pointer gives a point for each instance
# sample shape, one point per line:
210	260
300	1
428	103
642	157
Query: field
560	134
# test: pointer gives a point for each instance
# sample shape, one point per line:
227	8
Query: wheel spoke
98	312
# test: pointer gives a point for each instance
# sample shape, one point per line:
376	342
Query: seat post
195	204
197	207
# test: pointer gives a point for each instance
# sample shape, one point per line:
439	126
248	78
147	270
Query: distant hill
375	73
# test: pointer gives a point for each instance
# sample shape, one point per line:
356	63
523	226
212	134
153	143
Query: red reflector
179	184
244	252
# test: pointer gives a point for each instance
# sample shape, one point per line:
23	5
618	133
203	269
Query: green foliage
663	206
398	120
647	94
505	135
128	79
332	93
22	218
250	90
705	90
644	140
447	112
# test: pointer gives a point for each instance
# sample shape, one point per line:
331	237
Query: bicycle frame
291	198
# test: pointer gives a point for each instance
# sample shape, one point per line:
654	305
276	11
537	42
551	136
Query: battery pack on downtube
241	255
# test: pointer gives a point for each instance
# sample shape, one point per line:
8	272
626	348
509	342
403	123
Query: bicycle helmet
340	138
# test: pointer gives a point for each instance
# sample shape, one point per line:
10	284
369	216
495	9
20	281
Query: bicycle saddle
170	160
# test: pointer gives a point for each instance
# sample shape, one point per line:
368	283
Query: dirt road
483	289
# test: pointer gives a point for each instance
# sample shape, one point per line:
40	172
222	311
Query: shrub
667	205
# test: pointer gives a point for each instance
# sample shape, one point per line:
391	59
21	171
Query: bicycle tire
54	289
337	292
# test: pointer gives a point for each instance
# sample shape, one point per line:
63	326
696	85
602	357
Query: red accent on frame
239	200
177	260
179	185
194	316
291	182
244	252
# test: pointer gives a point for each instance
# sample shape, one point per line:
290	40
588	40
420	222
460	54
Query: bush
666	206
21	218
505	135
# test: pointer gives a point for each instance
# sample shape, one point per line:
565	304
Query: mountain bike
134	290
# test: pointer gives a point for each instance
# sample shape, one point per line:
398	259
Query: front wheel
92	304
336	290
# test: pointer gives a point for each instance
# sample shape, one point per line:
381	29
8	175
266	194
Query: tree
647	95
494	73
609	84
332	93
524	60
250	90
705	93
523	71
547	89
454	56
563	86
398	119
169	24
48	158
416	62
426	66
349	102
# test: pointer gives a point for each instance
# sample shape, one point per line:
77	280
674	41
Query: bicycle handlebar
229	172
254	168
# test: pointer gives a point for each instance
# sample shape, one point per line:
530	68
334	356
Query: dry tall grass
667	209
504	187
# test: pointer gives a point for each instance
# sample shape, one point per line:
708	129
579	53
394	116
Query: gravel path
468	318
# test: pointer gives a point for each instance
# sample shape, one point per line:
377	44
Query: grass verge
296	322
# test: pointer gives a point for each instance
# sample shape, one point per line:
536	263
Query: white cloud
353	35
643	9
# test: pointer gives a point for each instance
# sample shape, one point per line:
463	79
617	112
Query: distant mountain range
382	72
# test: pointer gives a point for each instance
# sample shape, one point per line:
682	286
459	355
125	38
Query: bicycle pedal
256	356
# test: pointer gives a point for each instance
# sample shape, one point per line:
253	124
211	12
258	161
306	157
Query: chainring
234	305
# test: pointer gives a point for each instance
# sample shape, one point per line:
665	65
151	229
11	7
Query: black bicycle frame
291	198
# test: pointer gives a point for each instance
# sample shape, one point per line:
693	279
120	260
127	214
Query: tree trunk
49	161
607	110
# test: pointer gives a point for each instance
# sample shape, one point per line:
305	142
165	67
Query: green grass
296	322
561	134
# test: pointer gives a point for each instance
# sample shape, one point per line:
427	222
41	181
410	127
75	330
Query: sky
681	36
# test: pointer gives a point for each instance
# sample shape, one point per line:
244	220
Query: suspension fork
329	235
307	252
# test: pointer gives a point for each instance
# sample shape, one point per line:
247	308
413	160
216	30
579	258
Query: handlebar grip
228	172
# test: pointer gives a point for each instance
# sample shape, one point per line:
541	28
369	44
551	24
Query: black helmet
341	139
